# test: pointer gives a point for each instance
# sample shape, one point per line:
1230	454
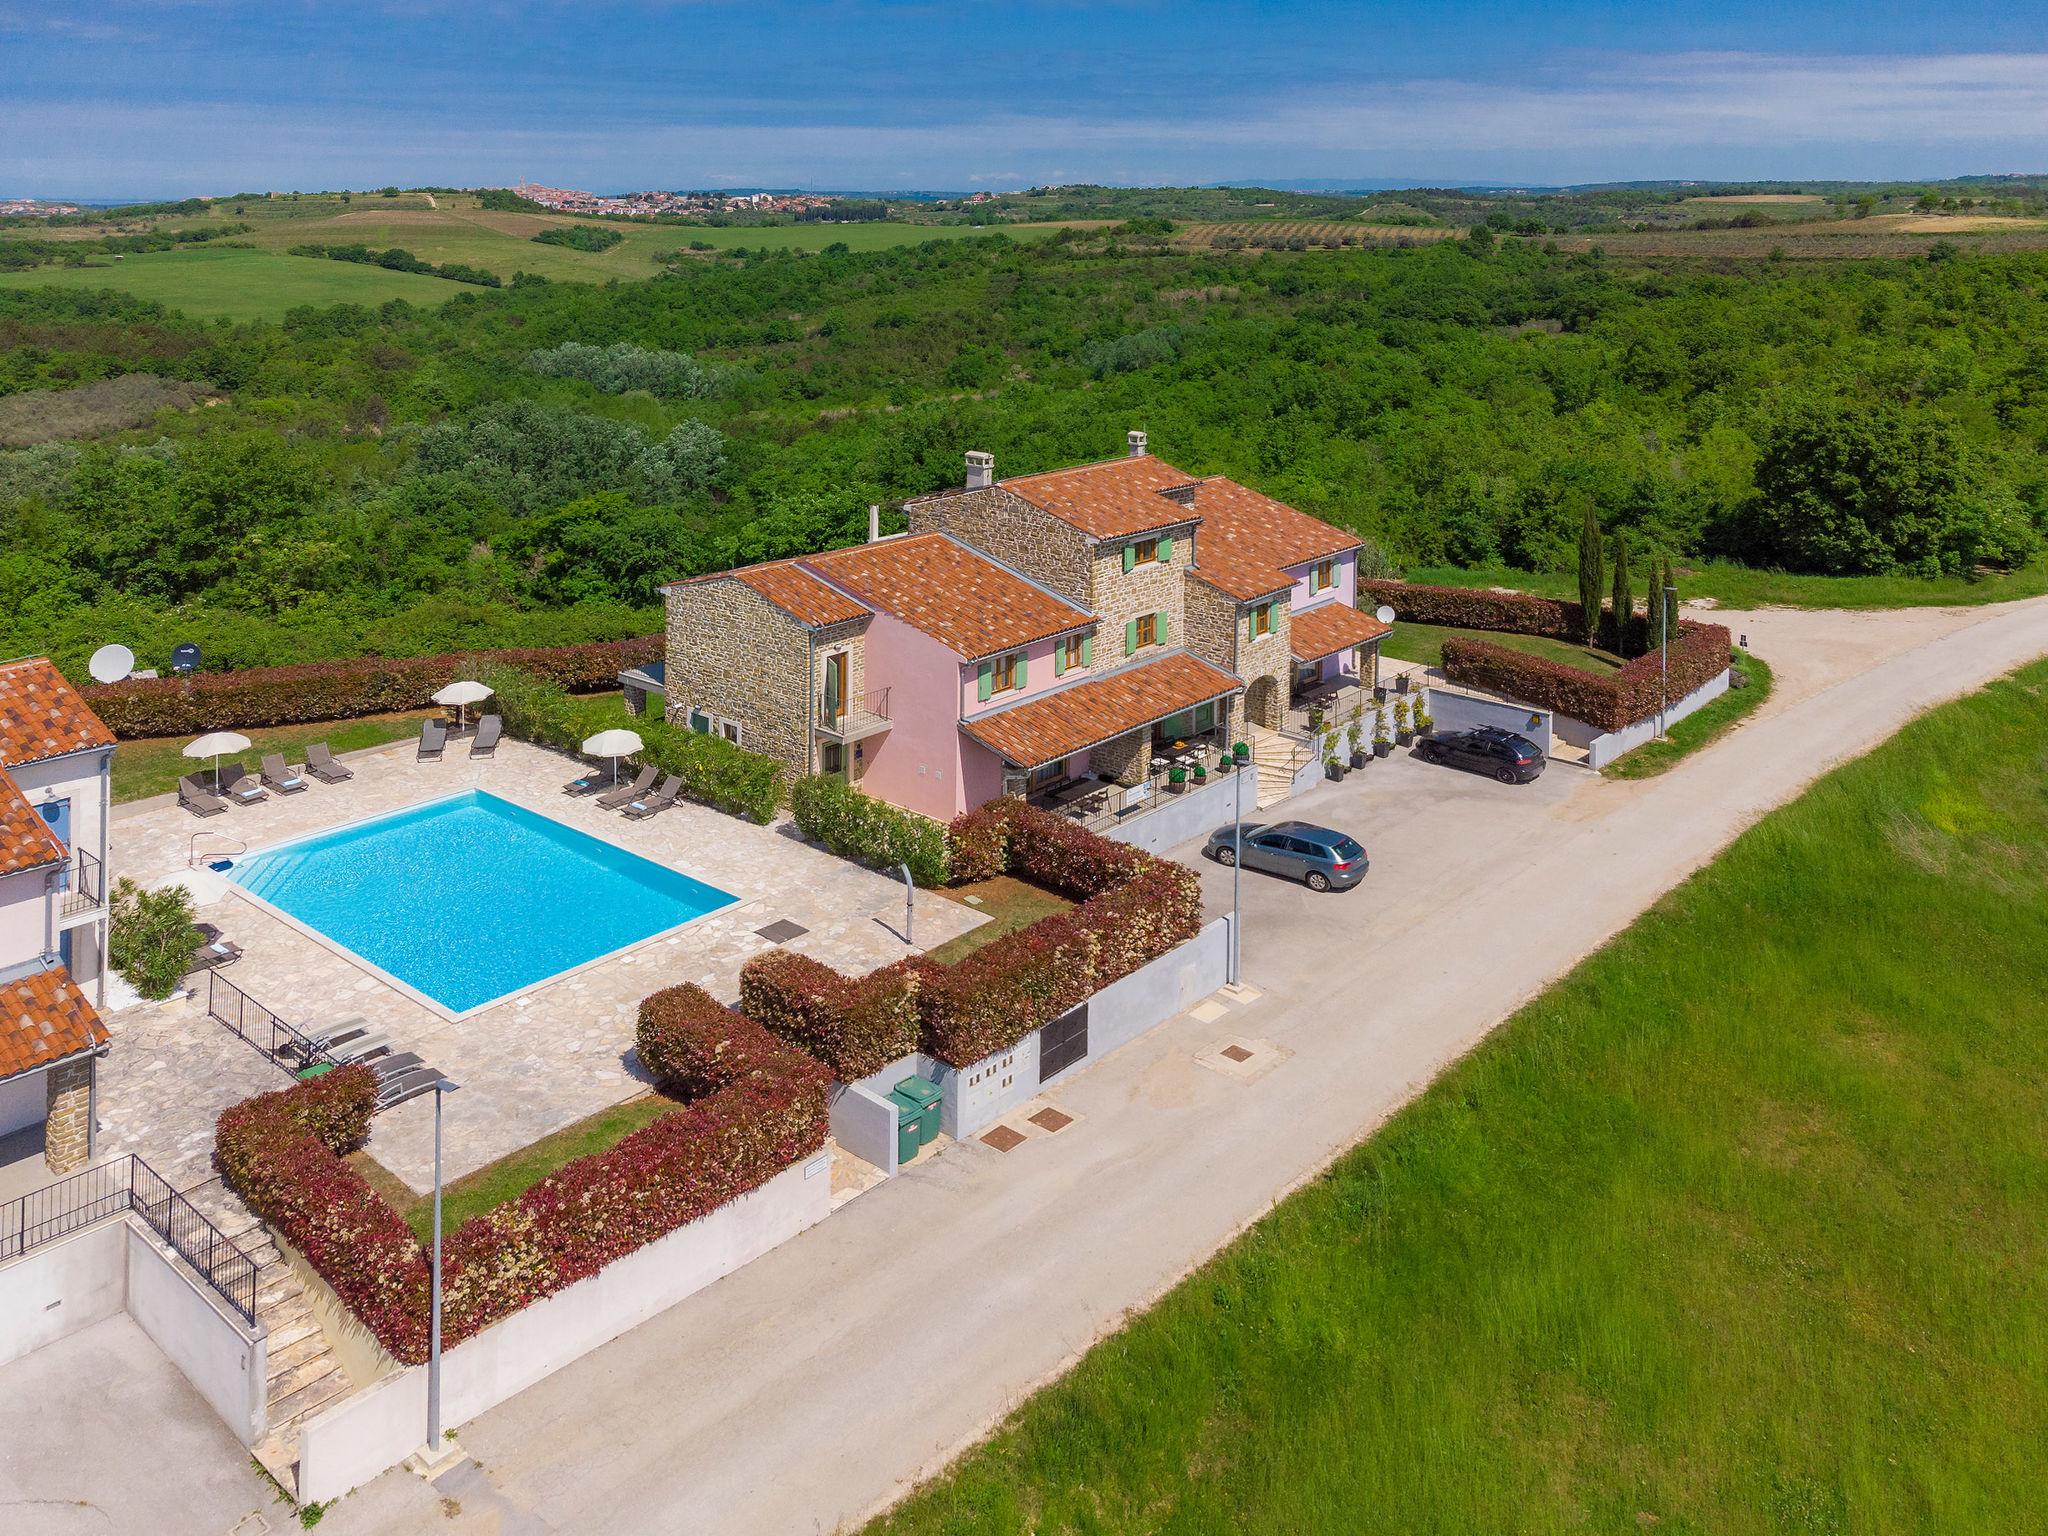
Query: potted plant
1177	780
1242	752
1360	756
1379	693
1333	765
1403	732
1315	719
1382	739
1201	773
1425	722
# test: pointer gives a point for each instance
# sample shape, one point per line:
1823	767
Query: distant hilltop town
647	205
33	208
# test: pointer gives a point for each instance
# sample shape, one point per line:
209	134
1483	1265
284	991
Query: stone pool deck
554	1055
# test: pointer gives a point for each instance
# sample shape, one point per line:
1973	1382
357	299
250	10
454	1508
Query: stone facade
1124	759
734	654
1008	528
1154	586
825	643
1266	657
67	1135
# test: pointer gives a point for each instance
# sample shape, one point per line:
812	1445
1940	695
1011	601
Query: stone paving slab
538	1062
169	1074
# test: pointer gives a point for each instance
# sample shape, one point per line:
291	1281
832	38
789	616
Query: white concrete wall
225	1360
1604	749
377	1429
25	917
24	1101
62	1286
1452	711
864	1122
1174	819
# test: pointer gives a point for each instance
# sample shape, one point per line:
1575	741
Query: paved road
785	1398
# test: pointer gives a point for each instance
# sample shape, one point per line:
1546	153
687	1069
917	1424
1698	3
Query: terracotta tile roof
1233	576
42	715
1072	719
25	841
1328	628
43	1019
958	596
1246	537
1115	499
790	587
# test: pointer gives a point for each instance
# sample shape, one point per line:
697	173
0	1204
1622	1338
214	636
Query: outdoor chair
671	790
321	764
590	783
407	1085
361	1048
243	789
629	792
286	781
215	950
198	799
488	730
433	740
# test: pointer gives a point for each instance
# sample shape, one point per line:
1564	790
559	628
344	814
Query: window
1051	773
1146	552
700	722
1325	576
1262	620
1148	629
832	759
1007	672
730	730
1071	652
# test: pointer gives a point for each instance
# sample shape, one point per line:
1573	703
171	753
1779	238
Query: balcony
82	889
847	721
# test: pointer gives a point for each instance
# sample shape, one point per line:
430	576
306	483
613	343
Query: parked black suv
1510	758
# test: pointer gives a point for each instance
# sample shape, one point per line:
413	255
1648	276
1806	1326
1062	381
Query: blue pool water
469	898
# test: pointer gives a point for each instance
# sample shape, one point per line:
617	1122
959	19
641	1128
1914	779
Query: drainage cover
1236	1053
781	931
1052	1120
1002	1138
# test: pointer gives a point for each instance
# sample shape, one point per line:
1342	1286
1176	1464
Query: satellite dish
111	663
184	657
1384	614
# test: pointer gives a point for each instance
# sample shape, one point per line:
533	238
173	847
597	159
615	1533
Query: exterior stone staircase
304	1376
1278	758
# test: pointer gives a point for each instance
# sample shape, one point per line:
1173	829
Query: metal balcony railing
84	885
849	720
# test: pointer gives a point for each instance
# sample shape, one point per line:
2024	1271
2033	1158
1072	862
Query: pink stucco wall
918	762
1037	679
1345	591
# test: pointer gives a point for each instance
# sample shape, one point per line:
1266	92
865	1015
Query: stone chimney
981	470
874	522
1137	442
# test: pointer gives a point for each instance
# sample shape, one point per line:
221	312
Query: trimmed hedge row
1513	613
340	690
282	1152
1611	702
855	1025
866	830
1008	835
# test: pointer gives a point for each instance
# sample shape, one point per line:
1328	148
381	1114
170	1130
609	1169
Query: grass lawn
1737	586
1740	1228
511	1176
1425	643
1009	903
1700	727
206	282
153	766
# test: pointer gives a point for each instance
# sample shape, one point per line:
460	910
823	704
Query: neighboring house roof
1328	628
44	1018
1116	499
1247	539
960	597
790	587
26	842
1045	728
42	715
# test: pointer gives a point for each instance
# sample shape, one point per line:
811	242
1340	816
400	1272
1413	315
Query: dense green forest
527	465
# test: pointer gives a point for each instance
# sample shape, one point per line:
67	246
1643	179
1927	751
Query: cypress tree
1624	599
1590	575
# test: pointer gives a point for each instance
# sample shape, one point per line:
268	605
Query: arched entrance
1262	703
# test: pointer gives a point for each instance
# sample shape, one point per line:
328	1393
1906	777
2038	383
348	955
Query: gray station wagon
1318	857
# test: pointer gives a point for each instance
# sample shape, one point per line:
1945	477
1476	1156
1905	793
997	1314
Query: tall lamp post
1237	872
1667	599
442	1088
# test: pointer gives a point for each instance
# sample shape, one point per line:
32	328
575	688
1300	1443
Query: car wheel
1430	755
1316	880
1226	856
1505	775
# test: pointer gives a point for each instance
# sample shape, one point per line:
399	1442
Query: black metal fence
128	1184
288	1046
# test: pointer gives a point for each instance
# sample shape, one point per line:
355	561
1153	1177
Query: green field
1738	586
208	282
1424	643
1741	1228
153	765
1700	728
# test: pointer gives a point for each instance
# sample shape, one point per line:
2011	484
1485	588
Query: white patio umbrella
212	745
614	744
461	695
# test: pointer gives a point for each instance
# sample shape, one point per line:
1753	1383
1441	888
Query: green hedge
868	831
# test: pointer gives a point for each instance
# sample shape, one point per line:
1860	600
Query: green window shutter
1159	626
1166	549
1130	636
1059	658
1130	557
1087	650
985	682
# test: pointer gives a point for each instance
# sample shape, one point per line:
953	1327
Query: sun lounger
388	1067
198	798
321	764
632	791
214	949
488	730
243	788
286	781
433	740
361	1048
407	1085
590	783
646	805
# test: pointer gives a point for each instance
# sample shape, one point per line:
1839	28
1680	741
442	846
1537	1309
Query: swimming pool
466	900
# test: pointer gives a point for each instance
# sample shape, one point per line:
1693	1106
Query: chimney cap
1137	442
981	470
977	457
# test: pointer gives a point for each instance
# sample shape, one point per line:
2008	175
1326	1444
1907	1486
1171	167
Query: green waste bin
909	1114
926	1096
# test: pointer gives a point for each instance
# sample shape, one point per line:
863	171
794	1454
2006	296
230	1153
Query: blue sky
171	97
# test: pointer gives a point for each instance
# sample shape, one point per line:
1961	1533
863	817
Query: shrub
151	939
1516	613
578	237
340	690
697	1046
868	831
1610	703
1046	849
856	1026
1001	992
623	366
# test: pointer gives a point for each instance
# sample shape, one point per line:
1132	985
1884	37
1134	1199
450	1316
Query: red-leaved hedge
1610	701
340	690
282	1152
1514	613
855	1025
1010	836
